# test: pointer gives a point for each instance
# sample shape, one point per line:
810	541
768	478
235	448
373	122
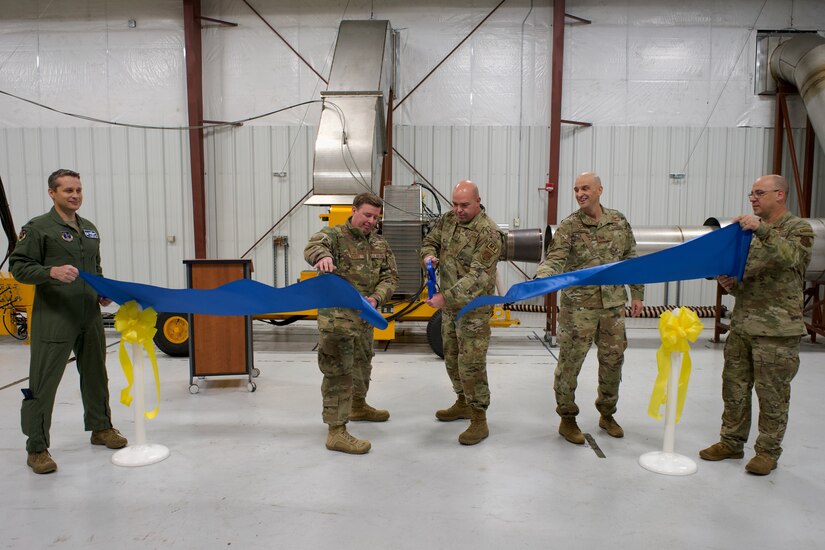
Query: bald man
591	236
762	348
465	245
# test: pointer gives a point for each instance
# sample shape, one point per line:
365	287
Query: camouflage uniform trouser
345	359
578	328
465	354
769	363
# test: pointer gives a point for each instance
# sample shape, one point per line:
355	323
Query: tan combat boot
570	430
339	439
362	411
761	464
458	411
612	427
720	451
110	437
478	428
41	462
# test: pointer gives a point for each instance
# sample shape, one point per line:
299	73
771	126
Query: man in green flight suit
762	348
356	252
51	251
465	244
591	236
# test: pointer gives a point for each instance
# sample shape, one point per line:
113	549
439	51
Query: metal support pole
557	72
194	95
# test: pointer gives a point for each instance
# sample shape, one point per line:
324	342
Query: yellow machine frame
17	297
420	311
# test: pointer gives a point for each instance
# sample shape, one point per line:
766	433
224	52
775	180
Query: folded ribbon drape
242	297
676	330
720	252
136	327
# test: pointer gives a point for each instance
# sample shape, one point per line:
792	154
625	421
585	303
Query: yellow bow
675	331
137	327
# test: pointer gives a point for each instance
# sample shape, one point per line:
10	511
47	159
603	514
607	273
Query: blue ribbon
242	297
431	288
720	252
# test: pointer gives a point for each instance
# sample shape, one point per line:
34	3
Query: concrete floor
249	470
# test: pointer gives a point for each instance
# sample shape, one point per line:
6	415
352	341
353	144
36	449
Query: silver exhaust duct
800	62
653	238
352	131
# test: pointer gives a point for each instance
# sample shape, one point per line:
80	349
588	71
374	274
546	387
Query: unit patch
22	235
67	236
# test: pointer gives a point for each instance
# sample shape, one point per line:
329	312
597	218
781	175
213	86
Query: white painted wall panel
133	181
137	187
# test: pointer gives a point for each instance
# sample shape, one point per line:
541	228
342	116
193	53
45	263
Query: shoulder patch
22	235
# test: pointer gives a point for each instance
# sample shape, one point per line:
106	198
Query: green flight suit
65	318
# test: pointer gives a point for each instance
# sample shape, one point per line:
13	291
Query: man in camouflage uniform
467	243
593	235
52	250
762	348
357	253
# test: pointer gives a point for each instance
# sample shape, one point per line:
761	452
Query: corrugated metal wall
136	185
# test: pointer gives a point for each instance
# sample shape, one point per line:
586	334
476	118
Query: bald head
588	191
776	181
768	196
466	201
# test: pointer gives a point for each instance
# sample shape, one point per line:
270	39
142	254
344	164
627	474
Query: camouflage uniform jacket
467	257
769	297
579	242
365	261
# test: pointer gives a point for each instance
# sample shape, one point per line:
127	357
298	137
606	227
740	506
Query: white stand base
140	455
669	464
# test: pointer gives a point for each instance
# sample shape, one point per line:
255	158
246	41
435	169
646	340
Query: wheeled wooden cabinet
219	345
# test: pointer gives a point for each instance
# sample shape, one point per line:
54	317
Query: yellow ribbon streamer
675	331
137	327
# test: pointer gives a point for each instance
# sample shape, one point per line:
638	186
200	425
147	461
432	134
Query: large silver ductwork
653	238
352	131
800	62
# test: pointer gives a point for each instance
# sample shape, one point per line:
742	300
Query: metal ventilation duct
352	131
654	238
801	62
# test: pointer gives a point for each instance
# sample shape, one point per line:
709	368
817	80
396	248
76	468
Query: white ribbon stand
666	461
139	453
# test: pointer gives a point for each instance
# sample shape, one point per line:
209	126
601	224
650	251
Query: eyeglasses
760	193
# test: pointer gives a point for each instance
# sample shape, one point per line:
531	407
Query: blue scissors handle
431	288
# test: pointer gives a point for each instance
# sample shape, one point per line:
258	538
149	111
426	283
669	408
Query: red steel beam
194	96
557	72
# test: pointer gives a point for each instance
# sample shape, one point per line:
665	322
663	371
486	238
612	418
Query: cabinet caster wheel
194	388
256	372
251	387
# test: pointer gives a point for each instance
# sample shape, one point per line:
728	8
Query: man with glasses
762	348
